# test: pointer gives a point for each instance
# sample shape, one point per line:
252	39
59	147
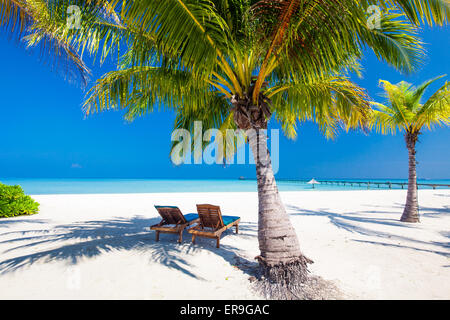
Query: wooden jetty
372	184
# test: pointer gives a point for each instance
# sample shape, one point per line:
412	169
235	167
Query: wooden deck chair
212	224
173	221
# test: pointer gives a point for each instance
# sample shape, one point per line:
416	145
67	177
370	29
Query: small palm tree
405	113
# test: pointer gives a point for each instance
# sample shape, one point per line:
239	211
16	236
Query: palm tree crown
405	112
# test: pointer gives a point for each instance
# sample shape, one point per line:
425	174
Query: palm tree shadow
384	244
429	212
442	195
346	222
434	212
7	222
343	221
72	242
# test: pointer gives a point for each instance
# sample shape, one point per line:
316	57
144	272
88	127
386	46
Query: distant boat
241	178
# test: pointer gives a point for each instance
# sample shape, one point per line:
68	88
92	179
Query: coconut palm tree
223	59
239	63
406	113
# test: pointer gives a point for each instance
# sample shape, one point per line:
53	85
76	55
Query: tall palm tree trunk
411	211
281	260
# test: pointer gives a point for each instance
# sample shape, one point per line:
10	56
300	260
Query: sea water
93	186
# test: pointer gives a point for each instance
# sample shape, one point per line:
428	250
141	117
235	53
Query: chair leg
193	239
218	242
237	228
180	238
157	235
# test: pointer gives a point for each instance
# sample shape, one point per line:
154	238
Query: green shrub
14	202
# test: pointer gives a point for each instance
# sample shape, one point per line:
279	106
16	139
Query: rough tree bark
283	268
281	260
411	211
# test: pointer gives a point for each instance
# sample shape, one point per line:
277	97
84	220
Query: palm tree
219	82
238	63
406	113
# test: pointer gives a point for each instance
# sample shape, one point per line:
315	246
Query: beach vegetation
14	202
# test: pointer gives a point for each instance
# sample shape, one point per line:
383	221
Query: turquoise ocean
92	186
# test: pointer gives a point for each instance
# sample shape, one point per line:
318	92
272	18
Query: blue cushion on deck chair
190	216
229	219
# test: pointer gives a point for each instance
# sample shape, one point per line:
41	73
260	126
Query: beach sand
99	247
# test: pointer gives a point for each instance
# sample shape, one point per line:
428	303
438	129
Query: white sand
99	246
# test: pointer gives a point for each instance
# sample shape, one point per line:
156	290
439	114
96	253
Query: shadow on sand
72	242
442	195
346	221
89	239
435	212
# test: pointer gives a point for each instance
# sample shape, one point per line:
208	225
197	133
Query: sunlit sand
100	246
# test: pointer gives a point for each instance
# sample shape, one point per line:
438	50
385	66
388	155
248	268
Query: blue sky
45	134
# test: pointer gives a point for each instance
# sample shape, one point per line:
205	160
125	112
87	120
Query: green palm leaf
405	112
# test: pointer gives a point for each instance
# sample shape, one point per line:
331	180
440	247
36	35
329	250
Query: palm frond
436	110
405	112
15	16
396	42
139	89
420	90
34	22
216	116
425	11
333	102
189	29
384	120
